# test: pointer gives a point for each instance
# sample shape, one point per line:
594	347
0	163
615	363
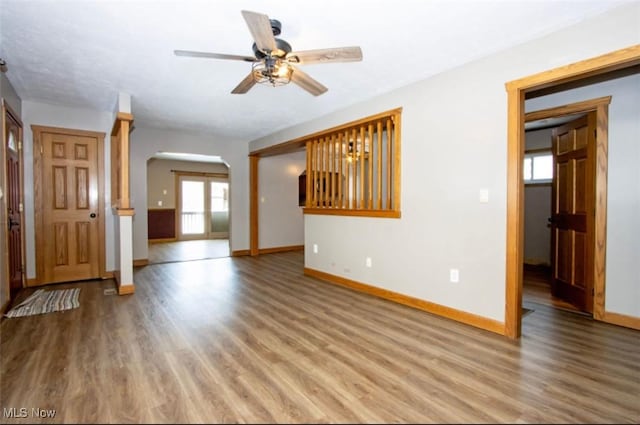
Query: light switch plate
484	196
454	275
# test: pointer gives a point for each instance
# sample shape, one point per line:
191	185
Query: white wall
36	113
623	186
145	142
537	208
279	216
453	144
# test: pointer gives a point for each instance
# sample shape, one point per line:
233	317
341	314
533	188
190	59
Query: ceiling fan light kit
273	59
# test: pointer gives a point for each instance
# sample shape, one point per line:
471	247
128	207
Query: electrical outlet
315	248
368	262
454	275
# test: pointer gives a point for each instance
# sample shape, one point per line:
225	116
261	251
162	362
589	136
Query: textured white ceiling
82	53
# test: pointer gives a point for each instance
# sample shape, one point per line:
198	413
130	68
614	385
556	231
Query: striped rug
46	301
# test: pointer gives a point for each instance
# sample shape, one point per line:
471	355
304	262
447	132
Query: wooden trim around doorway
253	205
4	244
516	90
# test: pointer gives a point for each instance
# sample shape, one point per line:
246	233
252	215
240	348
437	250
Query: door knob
92	215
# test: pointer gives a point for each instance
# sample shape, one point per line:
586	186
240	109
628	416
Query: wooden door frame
7	110
38	130
516	90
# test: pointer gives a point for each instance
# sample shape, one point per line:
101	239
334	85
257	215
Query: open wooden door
573	211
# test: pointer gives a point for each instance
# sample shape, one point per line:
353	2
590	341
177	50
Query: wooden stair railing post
120	199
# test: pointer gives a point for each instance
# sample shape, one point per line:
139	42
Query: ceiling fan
273	60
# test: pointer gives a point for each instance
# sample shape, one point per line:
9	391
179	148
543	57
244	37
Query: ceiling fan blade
261	31
307	83
245	85
338	54
193	54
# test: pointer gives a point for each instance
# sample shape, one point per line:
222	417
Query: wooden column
121	201
253	205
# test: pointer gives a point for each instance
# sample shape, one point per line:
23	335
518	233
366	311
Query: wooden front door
13	149
573	209
69	204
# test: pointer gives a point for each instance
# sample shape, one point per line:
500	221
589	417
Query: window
538	167
219	196
192	207
204	205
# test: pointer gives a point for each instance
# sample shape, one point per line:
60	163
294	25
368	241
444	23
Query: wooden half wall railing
355	169
369	147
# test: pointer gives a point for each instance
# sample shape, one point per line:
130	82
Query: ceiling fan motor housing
282	49
276	27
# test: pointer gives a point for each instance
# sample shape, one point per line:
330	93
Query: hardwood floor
251	339
536	283
168	252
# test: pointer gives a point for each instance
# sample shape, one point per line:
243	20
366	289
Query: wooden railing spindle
361	158
332	169
339	183
370	159
353	142
309	148
379	174
389	162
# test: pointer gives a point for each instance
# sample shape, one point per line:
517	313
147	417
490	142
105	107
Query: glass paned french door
204	207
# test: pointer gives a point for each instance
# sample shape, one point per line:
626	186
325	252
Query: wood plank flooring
252	340
536	283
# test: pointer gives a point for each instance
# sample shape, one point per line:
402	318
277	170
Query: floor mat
46	301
